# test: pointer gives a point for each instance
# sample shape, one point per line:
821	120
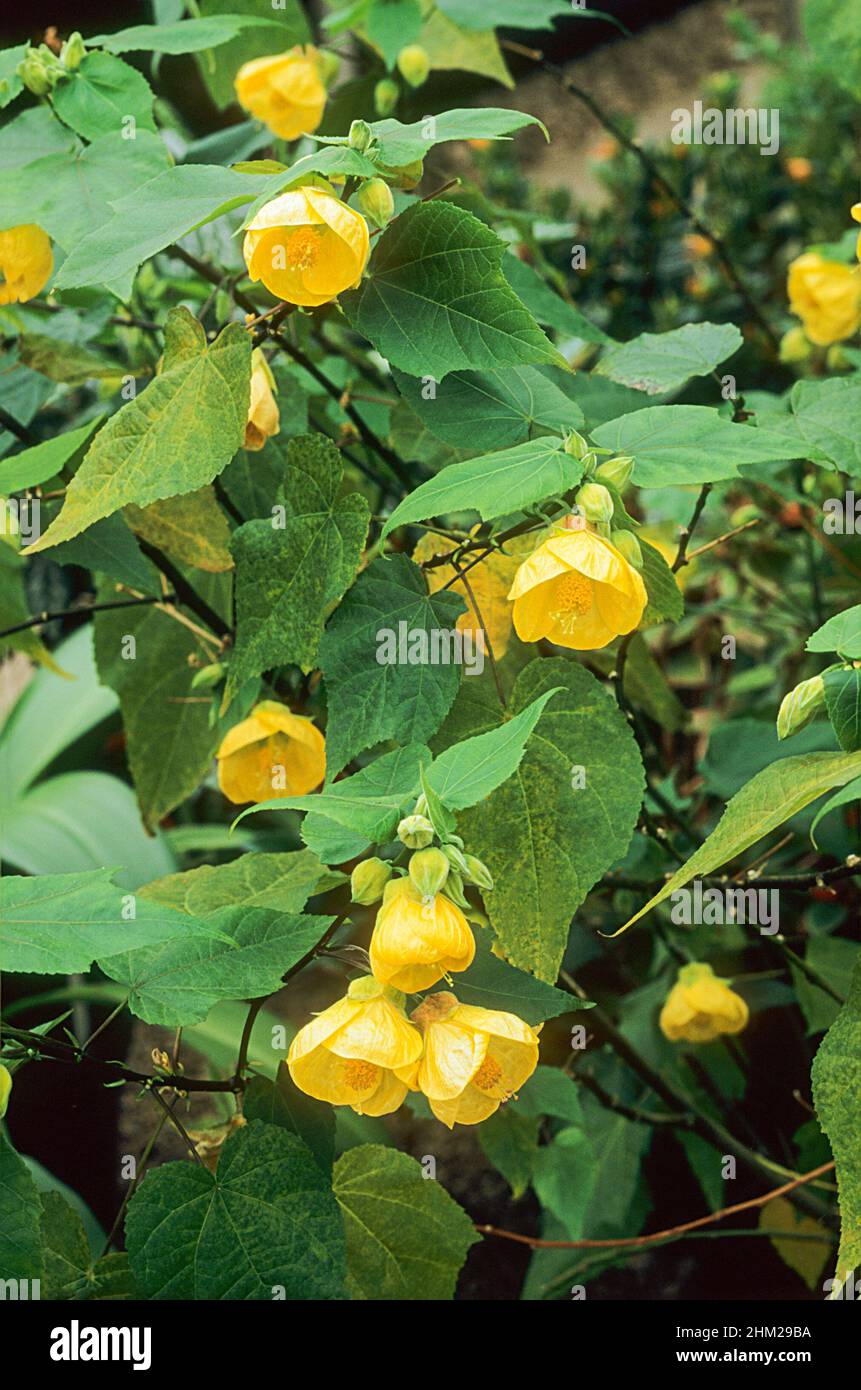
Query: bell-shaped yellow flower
307	246
416	940
826	296
263	418
285	91
474	1059
577	590
352	1053
700	1007
26	262
273	752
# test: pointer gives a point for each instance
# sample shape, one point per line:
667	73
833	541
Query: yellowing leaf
191	529
489	581
807	1257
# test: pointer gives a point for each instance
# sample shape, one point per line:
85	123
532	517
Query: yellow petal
451	1058
378	1033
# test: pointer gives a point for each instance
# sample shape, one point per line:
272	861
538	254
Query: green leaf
169	741
20	1217
493	484
391	25
435	298
56	924
450	47
836	1080
10	82
402	144
33	134
265	1222
491	983
841	634
822	422
508	14
186	36
406	1237
688	444
14	609
552	1092
851	792
100	96
548	307
191	529
510	1141
66	1250
567	815
177	435
469	771
112	1277
178	983
349	816
658	362
136	226
833	30
371	700
282	882
66	362
666	601
69	193
109	547
280	1102
492	409
564	1177
43	460
834	960
843	703
771	797
288	575
218	66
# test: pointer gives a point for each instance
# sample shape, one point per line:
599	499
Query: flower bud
454	889
800	706
404	176
374	200
39	70
386	94
416	832
627	544
328	66
456	858
429	869
616	472
414	64
368	881
366	987
208	676
595	502
575	445
795	346
5	1089
478	873
73	52
360	136
836	359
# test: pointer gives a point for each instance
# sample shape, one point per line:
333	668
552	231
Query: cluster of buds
40	69
598	499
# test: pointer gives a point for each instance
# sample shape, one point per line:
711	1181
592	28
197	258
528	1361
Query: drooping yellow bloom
856	213
263	418
474	1059
700	1007
416	940
577	590
26	262
307	246
489	581
826	296
273	752
5	1089
353	1052
285	91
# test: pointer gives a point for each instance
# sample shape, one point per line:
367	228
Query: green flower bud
368	881
414	64
366	987
576	445
800	706
421	806
595	502
454	890
478	873
416	832
38	72
404	176
374	199
429	869
73	52
836	359
795	346
616	472
5	1089
360	136
328	66
627	544
386	94
208	676
456	858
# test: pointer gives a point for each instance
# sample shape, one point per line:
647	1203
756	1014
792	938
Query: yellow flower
285	91
856	213
577	590
271	753
473	1060
826	296
26	262
5	1089
352	1052
416	940
700	1007
489	581
307	246
263	418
